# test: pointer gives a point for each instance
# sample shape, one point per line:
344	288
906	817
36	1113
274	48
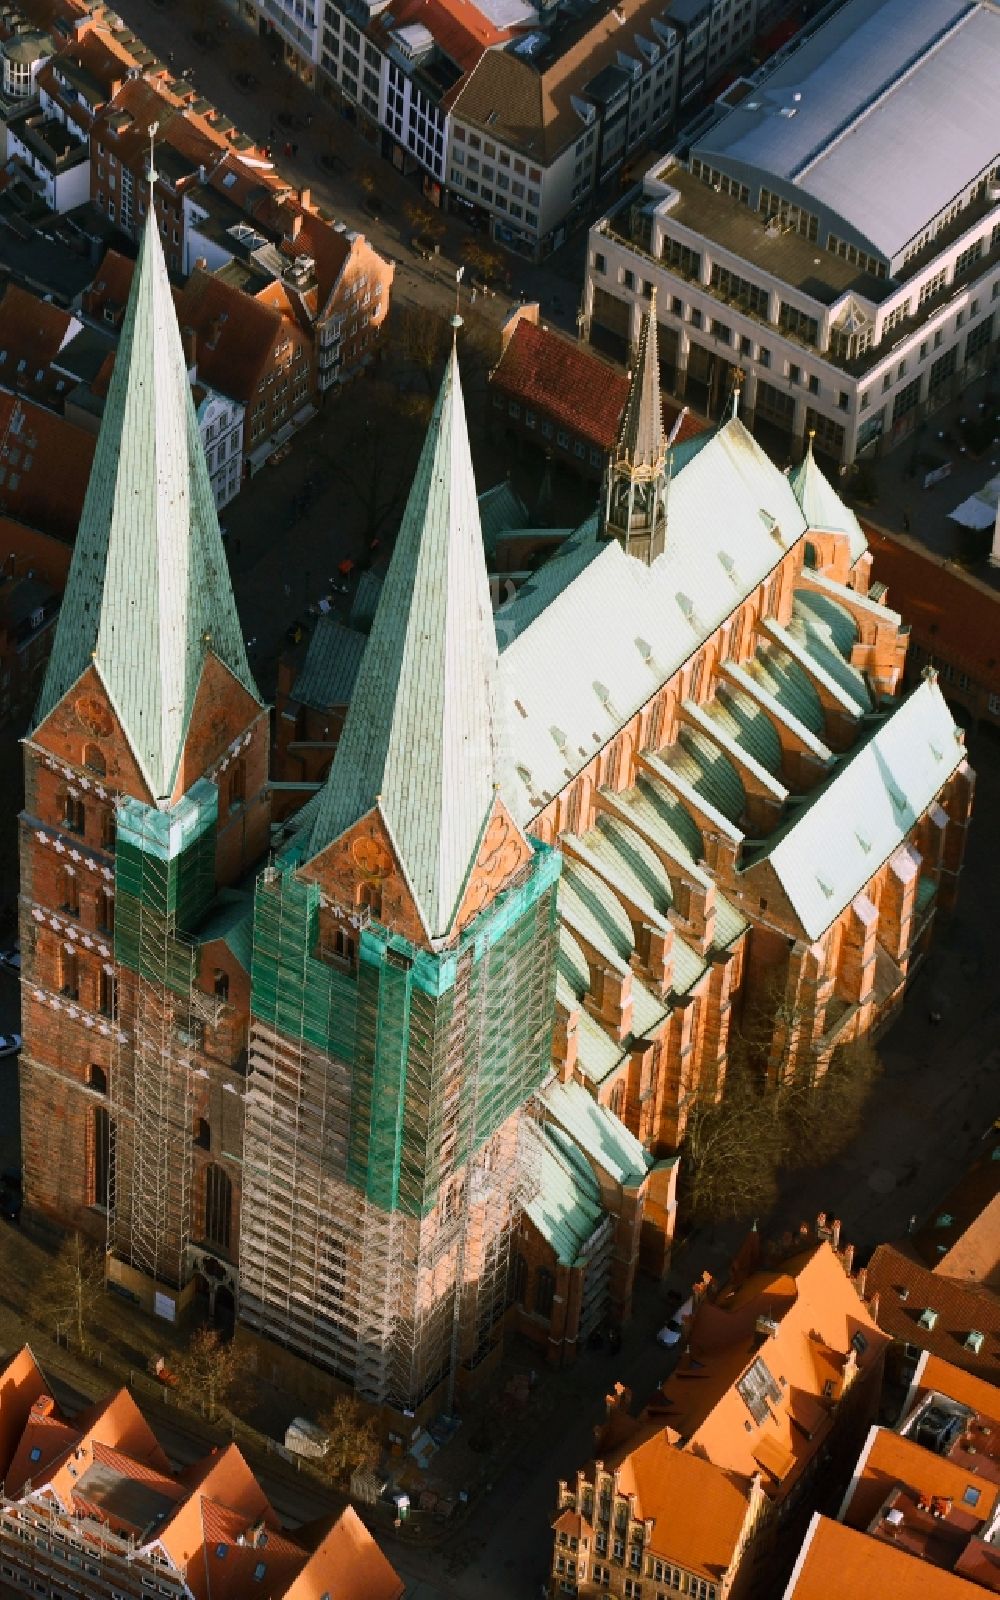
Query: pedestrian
309	120
906	522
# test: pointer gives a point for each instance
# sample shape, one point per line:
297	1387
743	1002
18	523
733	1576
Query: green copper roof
822	506
423	738
148	591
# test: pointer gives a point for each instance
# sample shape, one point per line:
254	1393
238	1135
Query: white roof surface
602	647
862	91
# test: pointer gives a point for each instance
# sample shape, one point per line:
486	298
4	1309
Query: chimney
619	1399
201	264
44	1406
305	199
296	227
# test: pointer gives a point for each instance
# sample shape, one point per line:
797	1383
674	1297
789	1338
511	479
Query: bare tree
488	263
353	1435
209	1372
421	340
731	1152
820	1119
75	1285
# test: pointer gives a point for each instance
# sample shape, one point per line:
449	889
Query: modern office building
835	239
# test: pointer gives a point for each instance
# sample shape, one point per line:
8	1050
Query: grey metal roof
423	737
148	595
845	119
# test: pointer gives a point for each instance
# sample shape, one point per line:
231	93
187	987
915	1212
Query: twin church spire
148	594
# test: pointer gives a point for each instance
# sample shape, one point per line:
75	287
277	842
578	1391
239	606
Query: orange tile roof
960	1309
942	1377
836	1562
578	389
222	1534
816	1313
892	1460
21	1384
349	1552
952	615
699	1511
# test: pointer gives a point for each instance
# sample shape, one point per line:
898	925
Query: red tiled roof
576	388
460	29
47	465
951	614
961	1238
110	287
236	333
961	1308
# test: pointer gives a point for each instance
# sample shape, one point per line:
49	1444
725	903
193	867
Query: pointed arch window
369	898
74	814
70	892
69	972
103	1159
97	1078
106	911
218	1206
545	1288
107	992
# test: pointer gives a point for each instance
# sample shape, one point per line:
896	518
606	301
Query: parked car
10	1044
11	958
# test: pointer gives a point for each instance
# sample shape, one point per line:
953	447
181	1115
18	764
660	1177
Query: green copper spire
148	592
423	741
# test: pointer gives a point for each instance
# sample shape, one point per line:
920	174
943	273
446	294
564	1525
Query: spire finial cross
152	174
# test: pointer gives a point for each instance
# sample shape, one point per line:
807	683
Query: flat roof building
835	238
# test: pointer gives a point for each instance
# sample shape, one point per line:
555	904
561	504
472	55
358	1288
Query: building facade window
103	1165
218	1206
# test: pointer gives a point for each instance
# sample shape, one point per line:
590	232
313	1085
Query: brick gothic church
424	1074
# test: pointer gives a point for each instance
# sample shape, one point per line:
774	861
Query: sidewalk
904	505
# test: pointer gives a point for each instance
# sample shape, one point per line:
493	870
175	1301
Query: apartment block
921	1516
91	1509
779	1375
815	247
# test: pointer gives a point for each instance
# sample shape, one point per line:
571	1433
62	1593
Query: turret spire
423	745
635	503
148	592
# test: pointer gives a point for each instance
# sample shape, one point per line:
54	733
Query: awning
979	510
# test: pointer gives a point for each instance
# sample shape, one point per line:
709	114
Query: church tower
635	484
404	950
145	794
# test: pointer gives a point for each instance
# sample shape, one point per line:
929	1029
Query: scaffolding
164	881
384	1159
